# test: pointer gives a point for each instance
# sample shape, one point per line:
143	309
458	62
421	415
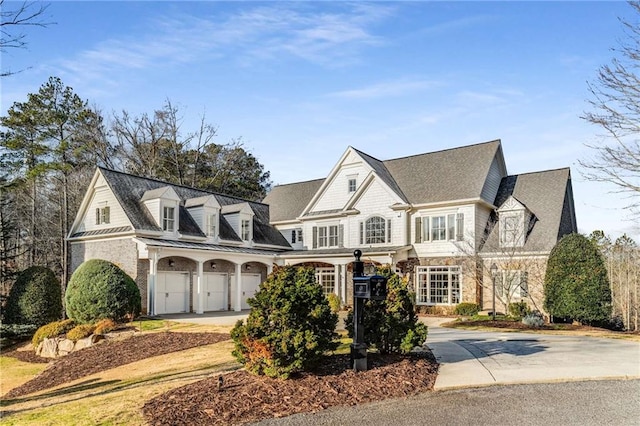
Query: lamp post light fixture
494	270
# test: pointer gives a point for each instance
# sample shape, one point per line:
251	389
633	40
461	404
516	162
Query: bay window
438	285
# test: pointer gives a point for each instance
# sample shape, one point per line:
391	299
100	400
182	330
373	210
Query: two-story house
453	222
443	219
187	249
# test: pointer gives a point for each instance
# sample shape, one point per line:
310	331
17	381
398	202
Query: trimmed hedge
35	298
467	309
98	289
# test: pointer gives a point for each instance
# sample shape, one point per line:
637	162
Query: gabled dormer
205	211
163	204
513	223
240	217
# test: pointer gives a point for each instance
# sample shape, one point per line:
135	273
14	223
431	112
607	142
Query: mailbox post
373	287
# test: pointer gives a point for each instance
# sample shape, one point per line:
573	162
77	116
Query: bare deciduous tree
12	21
615	107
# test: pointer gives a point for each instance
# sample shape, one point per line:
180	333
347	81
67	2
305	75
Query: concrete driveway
477	358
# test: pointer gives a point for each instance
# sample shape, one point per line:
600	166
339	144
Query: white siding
197	213
446	248
154	208
103	197
376	201
234	221
336	194
491	185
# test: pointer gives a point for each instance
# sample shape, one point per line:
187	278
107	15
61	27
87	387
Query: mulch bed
107	355
518	325
248	398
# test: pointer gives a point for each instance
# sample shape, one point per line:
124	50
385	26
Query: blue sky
301	81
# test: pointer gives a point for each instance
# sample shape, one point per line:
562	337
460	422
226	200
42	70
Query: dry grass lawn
112	397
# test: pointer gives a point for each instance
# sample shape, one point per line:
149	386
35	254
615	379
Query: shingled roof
452	174
129	189
548	195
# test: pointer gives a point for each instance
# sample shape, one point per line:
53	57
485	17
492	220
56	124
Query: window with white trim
511	230
443	227
512	283
327	236
102	215
352	185
245	230
168	219
212	224
326	278
375	230
438	285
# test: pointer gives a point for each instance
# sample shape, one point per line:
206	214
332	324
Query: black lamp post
494	270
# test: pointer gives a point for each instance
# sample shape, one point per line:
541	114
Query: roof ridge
444	150
298	182
179	186
568	168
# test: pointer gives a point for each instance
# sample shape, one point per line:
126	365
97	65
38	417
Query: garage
214	287
250	284
172	292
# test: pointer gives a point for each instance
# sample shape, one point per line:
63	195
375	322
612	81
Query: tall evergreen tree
576	284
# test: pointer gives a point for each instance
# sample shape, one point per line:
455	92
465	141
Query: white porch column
336	279
200	289
151	283
269	268
343	296
238	301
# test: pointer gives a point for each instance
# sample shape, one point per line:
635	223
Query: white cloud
325	37
386	89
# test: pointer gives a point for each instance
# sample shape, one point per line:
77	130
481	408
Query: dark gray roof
115	230
548	197
128	190
382	171
452	174
286	202
204	246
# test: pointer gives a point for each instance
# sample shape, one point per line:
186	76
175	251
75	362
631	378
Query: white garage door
250	284
215	292
172	292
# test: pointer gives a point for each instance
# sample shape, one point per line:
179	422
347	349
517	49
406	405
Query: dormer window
168	219
212	224
246	230
512	223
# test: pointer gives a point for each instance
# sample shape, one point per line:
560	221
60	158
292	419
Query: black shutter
341	236
418	230
97	216
460	226
293	236
315	237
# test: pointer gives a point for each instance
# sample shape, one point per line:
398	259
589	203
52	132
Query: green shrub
290	325
576	285
519	309
54	329
533	319
35	298
105	326
17	331
80	332
391	325
99	289
334	302
467	309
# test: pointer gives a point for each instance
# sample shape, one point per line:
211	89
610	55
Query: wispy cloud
386	89
330	36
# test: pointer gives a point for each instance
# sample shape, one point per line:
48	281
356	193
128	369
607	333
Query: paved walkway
477	358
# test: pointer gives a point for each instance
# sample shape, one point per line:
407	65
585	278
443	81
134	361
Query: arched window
375	230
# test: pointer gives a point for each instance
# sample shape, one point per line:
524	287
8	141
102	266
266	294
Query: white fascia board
85	203
450	203
329	179
341	213
105	237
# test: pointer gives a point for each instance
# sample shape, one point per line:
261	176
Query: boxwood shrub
99	289
467	309
54	329
35	298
